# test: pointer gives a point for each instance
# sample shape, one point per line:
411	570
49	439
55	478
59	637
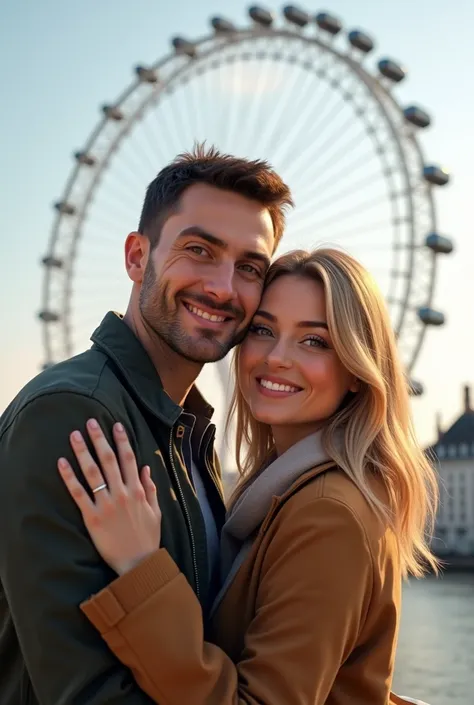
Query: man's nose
220	283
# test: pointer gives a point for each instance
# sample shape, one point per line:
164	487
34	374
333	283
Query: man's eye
197	250
250	269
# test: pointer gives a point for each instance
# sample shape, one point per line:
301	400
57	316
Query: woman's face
289	373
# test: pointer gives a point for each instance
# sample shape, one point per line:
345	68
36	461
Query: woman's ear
355	386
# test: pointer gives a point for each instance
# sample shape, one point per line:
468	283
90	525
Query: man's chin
205	350
204	354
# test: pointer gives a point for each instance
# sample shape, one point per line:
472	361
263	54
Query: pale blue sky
61	60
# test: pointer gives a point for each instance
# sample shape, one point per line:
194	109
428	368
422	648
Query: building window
464	450
452	451
441	452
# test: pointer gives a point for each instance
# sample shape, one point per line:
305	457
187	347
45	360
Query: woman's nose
279	356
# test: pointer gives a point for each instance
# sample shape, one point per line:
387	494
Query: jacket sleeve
48	565
313	596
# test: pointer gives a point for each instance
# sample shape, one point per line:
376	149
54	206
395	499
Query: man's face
204	279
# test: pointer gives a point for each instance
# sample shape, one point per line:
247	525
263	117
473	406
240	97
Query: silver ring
99	488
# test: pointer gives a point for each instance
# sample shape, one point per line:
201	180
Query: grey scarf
247	513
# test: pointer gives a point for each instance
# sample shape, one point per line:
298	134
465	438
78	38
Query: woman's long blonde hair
375	422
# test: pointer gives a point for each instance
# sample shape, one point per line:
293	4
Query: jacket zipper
205	453
187	515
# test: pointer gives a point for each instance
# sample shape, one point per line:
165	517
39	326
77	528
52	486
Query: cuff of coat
130	590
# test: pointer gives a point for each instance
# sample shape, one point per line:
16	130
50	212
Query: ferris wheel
296	90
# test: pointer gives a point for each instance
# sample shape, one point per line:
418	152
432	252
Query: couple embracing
124	578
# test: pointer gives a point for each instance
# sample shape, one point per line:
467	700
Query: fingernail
92	423
76	436
62	462
119	427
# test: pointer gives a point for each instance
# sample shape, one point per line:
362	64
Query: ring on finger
99	488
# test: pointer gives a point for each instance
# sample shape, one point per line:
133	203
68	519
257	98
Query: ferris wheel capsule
416	388
113	112
146	75
223	26
48	316
261	16
183	46
392	70
65	208
439	244
431	317
436	175
417	116
85	158
328	23
361	41
52	262
296	16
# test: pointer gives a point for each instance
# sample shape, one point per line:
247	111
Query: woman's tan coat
311	617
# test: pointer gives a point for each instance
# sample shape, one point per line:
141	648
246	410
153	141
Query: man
209	225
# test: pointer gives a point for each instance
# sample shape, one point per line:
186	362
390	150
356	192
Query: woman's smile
276	387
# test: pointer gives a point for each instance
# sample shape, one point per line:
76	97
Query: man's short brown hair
253	179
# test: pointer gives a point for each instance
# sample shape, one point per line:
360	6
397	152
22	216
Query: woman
329	514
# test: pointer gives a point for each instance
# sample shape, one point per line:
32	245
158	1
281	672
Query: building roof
458	441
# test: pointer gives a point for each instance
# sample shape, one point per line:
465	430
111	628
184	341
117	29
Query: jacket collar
303	480
114	338
250	509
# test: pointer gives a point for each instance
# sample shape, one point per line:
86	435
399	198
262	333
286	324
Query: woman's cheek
247	357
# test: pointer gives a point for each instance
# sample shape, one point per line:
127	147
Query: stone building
453	454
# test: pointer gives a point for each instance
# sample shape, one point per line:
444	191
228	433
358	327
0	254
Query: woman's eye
259	330
315	342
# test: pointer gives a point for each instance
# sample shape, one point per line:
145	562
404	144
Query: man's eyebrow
200	232
217	242
301	324
264	259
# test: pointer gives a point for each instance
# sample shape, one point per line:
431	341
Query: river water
435	658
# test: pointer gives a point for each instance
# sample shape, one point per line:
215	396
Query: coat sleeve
48	564
313	596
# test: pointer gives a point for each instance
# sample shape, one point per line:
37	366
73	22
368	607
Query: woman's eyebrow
301	324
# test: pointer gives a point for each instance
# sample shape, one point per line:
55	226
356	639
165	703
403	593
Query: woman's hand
123	518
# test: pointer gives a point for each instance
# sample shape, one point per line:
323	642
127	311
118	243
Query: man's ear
137	251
